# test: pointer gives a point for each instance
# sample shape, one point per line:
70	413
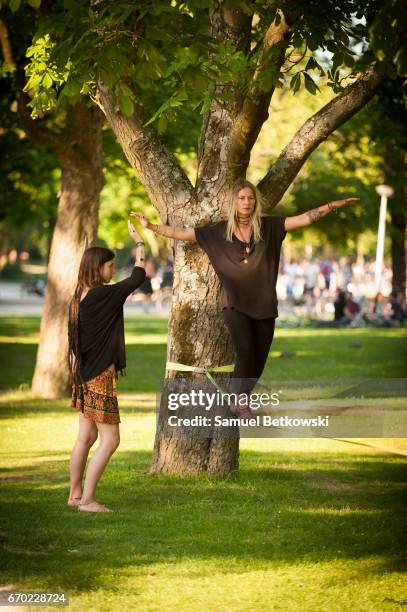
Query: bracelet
140	242
140	259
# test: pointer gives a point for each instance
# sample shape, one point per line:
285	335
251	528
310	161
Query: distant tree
29	184
73	136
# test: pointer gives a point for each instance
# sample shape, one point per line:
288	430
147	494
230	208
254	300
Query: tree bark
214	162
166	184
398	248
196	336
80	157
394	171
254	109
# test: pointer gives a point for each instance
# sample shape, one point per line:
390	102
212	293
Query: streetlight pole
384	191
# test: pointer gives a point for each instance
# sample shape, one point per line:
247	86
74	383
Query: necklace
243	220
246	248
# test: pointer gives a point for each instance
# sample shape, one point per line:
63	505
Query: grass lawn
319	353
307	525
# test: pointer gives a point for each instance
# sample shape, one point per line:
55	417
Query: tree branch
314	131
165	182
254	111
226	25
5	43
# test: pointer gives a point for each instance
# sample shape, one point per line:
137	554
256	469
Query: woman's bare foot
73	501
93	506
243	412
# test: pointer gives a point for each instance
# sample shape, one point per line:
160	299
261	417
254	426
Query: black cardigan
101	325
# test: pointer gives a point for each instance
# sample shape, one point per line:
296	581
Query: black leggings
252	339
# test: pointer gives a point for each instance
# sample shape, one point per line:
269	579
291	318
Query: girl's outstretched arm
122	289
178	233
316	213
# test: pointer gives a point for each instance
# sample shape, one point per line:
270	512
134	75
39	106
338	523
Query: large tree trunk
398	248
394	163
196	335
77	220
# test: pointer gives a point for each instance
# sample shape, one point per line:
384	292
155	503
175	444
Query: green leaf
391	70
194	78
107	77
72	88
47	81
331	46
337	60
126	105
14	5
310	84
312	43
401	60
311	64
296	82
33	82
85	89
125	90
162	124
34	3
297	40
348	60
206	105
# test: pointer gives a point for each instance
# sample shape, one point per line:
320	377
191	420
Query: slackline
181	367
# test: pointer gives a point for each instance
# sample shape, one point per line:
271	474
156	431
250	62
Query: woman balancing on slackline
96	354
244	250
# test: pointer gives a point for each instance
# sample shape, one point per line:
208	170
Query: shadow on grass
18	408
145	367
284	507
318	353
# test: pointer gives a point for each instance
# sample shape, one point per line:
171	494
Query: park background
305	524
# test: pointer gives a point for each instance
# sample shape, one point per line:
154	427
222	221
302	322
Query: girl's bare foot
93	506
74	501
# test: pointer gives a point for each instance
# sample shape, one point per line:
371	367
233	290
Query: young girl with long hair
96	354
244	250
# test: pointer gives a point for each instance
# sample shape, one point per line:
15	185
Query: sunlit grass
316	353
307	524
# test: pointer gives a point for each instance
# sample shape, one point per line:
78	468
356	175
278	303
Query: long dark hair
90	275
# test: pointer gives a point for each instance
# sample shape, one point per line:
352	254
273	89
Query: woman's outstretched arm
316	213
178	233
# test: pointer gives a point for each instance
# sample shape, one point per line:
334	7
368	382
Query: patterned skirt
97	398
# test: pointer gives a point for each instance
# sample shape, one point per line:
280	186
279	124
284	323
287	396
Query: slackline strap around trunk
181	367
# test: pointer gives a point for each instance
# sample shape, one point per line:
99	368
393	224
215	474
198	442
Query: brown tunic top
249	288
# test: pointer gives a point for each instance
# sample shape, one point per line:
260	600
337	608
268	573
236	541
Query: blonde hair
255	218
